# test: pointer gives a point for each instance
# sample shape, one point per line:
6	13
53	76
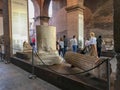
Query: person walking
65	44
99	45
93	47
61	47
74	43
86	48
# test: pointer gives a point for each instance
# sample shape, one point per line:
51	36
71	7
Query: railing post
1	55
32	76
108	74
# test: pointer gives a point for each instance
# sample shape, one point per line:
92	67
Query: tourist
61	47
65	44
57	45
86	48
99	45
74	43
93	48
33	41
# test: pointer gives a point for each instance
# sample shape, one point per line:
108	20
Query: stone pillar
75	23
46	44
46	38
6	28
117	40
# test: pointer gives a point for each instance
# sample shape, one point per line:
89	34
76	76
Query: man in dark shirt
99	45
65	44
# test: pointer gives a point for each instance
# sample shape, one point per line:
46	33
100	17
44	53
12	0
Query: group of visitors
92	45
62	45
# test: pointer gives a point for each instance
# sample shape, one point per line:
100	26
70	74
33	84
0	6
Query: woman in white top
74	44
93	50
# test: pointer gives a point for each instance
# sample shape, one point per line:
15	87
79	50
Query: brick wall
72	2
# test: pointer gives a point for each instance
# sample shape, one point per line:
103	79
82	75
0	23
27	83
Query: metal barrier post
1	55
32	76
108	74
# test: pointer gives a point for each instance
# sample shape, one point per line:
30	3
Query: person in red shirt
33	41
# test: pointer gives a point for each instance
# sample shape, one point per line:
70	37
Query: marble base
48	58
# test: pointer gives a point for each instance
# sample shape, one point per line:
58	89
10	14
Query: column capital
43	19
75	7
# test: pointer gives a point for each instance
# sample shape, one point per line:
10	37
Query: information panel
19	17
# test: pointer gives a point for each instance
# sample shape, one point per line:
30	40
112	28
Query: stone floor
14	78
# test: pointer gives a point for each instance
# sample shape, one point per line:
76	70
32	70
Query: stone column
46	44
75	23
6	28
117	40
46	39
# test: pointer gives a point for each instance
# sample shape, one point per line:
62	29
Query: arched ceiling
91	4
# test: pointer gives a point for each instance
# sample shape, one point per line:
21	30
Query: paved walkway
14	78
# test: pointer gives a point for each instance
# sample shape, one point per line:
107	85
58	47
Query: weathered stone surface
46	44
86	62
46	38
26	47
